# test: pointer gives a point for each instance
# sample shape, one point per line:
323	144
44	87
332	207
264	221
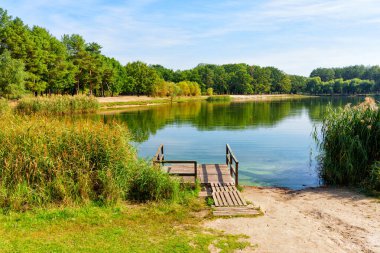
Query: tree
313	85
142	77
298	83
285	84
12	75
326	74
261	80
238	79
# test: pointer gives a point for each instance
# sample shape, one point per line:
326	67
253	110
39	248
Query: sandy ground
234	98
124	99
311	220
238	98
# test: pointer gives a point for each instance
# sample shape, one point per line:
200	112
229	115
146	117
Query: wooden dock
218	181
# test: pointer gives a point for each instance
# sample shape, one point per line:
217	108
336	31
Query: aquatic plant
45	160
223	98
350	145
56	105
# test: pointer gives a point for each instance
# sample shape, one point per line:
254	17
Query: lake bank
131	101
324	219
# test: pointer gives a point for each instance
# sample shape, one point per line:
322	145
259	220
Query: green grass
4	106
155	227
57	105
350	145
221	98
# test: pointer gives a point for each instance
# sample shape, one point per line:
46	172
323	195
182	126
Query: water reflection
272	140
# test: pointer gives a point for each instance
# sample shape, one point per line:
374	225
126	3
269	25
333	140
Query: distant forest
34	61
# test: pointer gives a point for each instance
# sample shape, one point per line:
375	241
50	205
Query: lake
272	140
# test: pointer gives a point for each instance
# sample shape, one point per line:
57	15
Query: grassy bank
57	105
350	146
123	228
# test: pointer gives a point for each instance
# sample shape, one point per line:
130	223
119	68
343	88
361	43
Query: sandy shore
120	99
131	99
312	220
268	97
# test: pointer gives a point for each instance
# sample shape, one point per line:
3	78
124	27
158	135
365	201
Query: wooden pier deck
218	181
206	173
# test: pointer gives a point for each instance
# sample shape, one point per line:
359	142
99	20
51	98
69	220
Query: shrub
57	105
163	88
209	92
350	145
224	98
150	183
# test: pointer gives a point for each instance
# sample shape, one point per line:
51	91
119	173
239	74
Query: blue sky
294	35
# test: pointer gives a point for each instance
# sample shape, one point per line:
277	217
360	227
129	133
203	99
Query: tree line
34	61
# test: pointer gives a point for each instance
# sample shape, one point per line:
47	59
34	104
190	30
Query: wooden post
196	171
227	154
237	173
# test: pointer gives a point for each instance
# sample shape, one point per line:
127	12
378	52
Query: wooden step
226	194
235	211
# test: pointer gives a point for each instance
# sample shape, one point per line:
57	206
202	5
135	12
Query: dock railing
159	158
233	164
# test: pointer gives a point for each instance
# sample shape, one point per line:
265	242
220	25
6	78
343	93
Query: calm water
272	140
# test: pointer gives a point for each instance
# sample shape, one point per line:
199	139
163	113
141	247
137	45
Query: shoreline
124	102
317	219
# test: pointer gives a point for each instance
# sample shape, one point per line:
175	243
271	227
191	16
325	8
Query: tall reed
350	145
56	105
46	160
220	98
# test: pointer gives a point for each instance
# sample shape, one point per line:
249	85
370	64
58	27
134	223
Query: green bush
59	161
223	98
57	105
150	183
350	146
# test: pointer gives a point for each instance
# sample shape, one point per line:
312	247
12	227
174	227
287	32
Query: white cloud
293	35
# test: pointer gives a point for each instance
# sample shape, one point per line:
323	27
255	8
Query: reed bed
44	160
350	145
222	98
58	105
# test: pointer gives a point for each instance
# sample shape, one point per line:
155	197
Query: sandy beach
311	220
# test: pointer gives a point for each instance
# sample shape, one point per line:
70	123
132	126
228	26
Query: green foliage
163	88
60	161
45	160
57	105
350	146
315	85
12	76
223	98
72	66
142	77
209	92
150	183
210	201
